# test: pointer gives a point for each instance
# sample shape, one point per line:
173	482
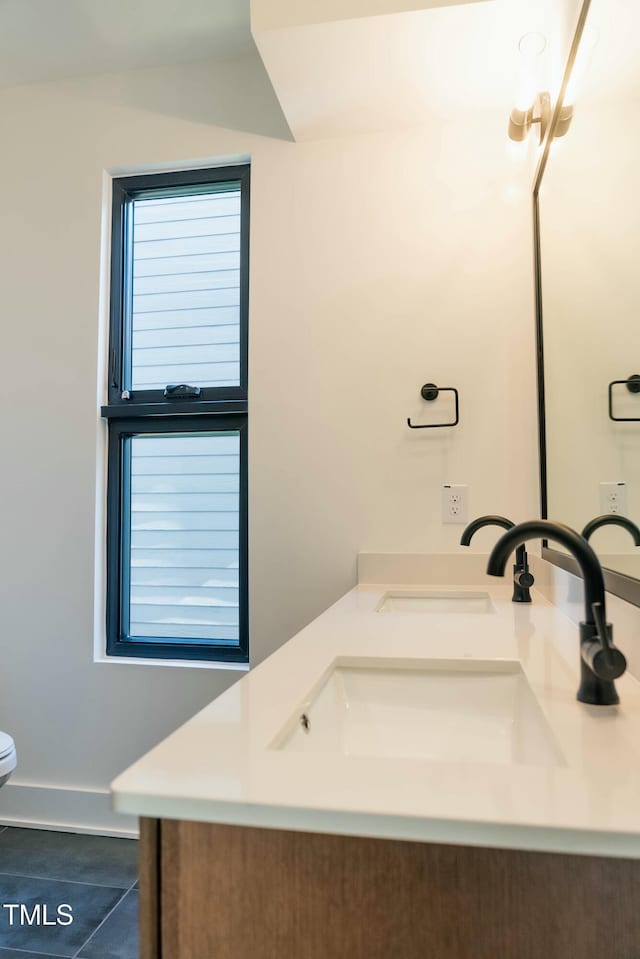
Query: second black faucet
522	578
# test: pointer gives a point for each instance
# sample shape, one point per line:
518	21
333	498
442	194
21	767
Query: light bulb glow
532	46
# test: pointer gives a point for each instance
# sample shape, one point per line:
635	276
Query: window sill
176	663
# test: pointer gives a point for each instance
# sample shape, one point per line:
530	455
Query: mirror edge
625	587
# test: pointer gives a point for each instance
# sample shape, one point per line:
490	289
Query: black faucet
522	578
612	519
600	661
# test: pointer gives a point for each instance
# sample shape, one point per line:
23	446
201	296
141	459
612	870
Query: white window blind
186	290
184	549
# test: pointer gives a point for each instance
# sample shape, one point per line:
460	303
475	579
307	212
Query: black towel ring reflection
430	392
633	385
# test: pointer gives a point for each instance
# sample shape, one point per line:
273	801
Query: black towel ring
633	385
430	392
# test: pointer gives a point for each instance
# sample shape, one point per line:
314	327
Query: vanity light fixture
521	121
533	108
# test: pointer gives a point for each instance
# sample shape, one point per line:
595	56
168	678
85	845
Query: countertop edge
484	834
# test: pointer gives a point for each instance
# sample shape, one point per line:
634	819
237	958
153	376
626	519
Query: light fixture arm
521	121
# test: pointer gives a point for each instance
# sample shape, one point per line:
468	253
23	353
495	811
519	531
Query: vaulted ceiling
54	39
336	66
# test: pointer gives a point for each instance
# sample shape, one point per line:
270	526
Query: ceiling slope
394	63
277	14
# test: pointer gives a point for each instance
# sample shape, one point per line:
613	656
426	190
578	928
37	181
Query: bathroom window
177	416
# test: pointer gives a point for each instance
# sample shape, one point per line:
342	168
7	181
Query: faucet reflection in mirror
610	519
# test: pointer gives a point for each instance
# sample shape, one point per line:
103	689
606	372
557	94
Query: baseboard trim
63	809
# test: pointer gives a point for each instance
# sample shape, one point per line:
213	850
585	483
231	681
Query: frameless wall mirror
587	204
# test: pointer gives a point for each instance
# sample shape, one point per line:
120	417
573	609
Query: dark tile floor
93	875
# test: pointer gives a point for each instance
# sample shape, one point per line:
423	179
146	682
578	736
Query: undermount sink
435	601
440	711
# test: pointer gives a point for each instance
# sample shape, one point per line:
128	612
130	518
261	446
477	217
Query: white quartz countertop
222	766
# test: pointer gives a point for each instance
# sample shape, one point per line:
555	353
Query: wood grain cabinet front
231	892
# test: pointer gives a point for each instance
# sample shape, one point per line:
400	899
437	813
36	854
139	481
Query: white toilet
8	757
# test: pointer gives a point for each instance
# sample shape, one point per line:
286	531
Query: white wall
377	263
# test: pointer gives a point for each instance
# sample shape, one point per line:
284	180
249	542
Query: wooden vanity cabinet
230	892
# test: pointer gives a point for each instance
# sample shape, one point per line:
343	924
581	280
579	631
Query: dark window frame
125	190
141	412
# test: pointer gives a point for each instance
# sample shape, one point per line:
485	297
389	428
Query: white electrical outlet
455	504
613	498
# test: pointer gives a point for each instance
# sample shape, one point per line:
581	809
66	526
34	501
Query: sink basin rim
399	664
435	600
